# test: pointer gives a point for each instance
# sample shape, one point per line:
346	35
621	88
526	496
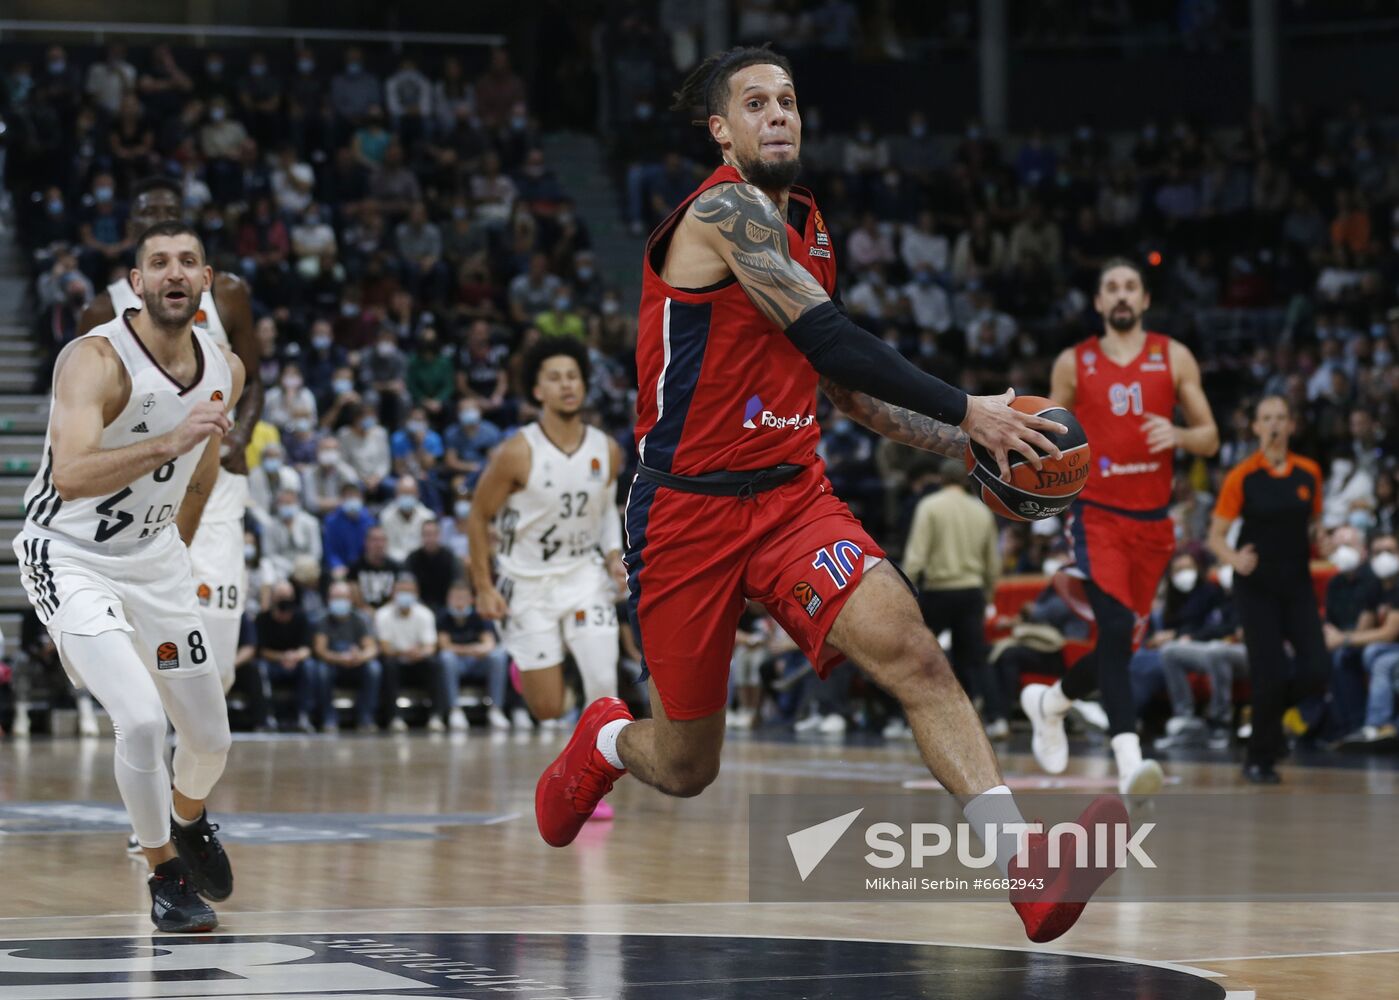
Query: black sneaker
202	852
1261	774
175	904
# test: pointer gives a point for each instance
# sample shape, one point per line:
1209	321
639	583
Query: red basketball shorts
1124	556
693	562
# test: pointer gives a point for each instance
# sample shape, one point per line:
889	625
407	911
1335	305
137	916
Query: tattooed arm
897	423
743	227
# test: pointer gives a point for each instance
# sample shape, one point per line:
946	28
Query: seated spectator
481	374
302	438
433	566
420	249
346	530
923	246
355	90
870	245
344	643
403	520
270	476
384	371
492	192
408	98
980	252
407	634
430	378
931	308
284	652
372	577
324	481
469	442
1379	646
288	395
293	182
416	447
1352	596
533	291
364	444
454	525
561	319
312	241
103	229
395	187
536	186
289	535
469	651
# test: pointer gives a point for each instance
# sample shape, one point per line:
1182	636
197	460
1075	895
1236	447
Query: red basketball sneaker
572	786
1049	912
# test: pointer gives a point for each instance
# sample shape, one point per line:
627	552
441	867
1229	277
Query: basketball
1034	494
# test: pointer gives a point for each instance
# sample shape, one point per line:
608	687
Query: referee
1278	495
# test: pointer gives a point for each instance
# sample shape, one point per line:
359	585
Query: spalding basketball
1034	494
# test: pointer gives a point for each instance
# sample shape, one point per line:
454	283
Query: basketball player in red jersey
737	328
1124	388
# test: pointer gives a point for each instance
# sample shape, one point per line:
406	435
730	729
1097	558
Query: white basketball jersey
230	496
158	404
554	524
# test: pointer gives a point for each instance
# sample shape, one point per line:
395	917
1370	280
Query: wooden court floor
364	836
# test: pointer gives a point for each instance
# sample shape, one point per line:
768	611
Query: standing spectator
403	520
284	651
163	88
419	243
498	90
407	634
305	96
469	651
534	291
111	79
1278	495
313	241
344	645
953	560
293	182
372	578
924	246
260	98
354	91
452	97
929	303
395	187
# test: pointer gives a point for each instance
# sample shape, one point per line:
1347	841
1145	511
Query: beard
1123	319
170	315
770	175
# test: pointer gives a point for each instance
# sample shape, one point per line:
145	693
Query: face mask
305	65
864	136
249	552
974	133
1385	564
103	194
643	112
341	386
840	427
386	350
1226	577
1383	359
57	66
217	114
366	423
353	67
257	69
1184	580
459	211
272	465
328	458
585	274
303	425
469	418
214	224
518	122
562	305
924	277
407	502
339	606
56	207
417	427
287	511
461	508
404	600
353	506
1052	566
1345	558
1360	520
291	383
215	67
918	131
610	307
321	343
312	219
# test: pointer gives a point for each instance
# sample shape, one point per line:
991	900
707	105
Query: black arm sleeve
855	359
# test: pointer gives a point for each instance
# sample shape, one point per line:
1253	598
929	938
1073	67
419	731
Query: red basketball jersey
1112	402
719	386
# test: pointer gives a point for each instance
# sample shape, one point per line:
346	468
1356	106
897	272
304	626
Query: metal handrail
100	29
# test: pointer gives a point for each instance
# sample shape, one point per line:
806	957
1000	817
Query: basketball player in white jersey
225	314
140	408
553	486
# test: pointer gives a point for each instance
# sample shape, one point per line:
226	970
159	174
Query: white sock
1056	702
996	807
607	742
1127	750
180	820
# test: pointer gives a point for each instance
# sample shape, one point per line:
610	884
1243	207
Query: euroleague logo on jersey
216	396
203	593
807	597
167	656
755	416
